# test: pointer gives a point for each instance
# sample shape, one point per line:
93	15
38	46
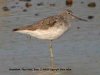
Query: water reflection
53	70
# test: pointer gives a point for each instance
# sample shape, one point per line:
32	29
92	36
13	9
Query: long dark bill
79	18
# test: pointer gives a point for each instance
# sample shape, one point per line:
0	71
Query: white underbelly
49	34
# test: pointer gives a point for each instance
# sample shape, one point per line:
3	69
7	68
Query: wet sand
78	49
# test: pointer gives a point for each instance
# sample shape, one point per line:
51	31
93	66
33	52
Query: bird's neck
63	14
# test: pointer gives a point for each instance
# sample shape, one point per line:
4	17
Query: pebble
92	4
40	4
90	17
24	10
28	5
82	2
69	2
36	14
78	27
5	8
13	6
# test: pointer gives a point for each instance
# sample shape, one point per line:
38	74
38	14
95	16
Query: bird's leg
51	55
51	50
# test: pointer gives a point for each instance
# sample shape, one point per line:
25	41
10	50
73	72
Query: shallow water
78	49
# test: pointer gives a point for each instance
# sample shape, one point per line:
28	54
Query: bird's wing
42	24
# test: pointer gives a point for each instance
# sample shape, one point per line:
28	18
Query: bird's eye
69	13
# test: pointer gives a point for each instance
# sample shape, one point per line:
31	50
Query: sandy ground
78	49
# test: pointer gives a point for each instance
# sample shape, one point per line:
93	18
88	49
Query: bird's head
68	15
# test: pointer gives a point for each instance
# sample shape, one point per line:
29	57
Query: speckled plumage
43	24
49	28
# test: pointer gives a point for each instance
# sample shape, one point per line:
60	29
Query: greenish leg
51	50
51	55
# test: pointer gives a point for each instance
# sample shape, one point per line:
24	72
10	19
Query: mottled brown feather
42	24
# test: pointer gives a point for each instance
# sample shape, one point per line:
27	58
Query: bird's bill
79	18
